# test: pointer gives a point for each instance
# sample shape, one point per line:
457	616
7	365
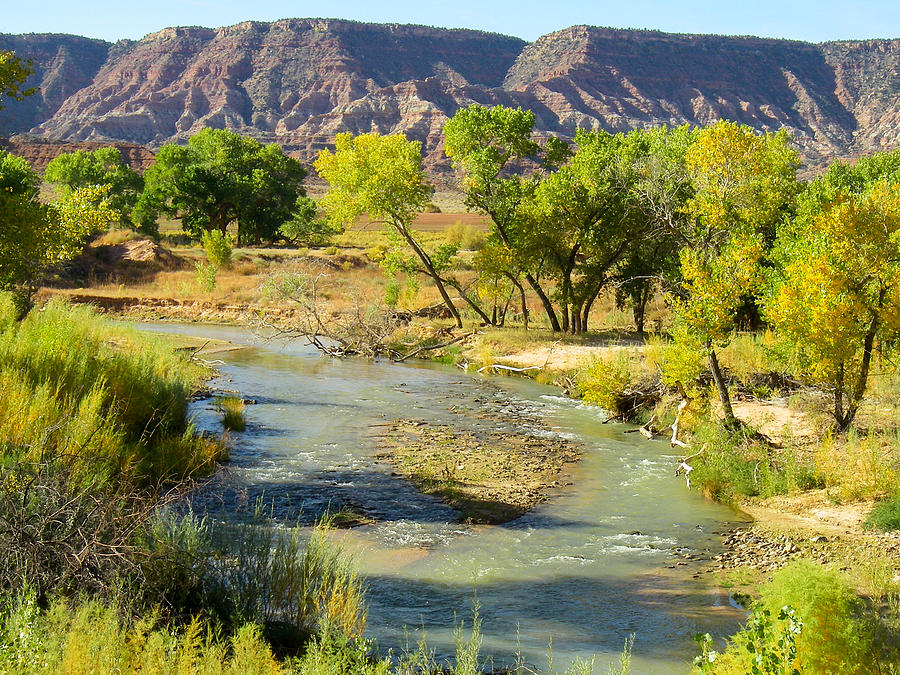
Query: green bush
464	237
217	247
834	639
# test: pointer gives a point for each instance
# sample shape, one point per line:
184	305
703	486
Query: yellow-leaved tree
382	177
834	290
743	183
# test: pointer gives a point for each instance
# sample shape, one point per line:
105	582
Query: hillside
299	81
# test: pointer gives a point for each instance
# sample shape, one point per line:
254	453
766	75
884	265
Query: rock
819	539
298	82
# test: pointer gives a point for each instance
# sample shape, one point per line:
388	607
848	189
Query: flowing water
602	559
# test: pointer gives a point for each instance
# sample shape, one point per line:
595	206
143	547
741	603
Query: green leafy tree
741	185
585	219
834	291
492	148
35	235
13	74
306	227
221	178
104	167
381	176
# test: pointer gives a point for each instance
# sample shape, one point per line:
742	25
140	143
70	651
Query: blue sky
528	19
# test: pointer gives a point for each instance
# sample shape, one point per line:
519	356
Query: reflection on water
595	563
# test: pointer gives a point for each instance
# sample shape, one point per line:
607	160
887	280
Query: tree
13	74
585	220
219	178
742	183
305	227
102	167
35	235
491	148
380	176
835	287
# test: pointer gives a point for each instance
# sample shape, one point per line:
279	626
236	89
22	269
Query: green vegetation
103	167
885	516
33	235
382	176
219	178
13	73
232	409
807	619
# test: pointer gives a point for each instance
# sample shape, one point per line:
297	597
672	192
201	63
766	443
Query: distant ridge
298	82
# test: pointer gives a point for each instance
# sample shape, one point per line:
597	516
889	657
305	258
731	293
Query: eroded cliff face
298	82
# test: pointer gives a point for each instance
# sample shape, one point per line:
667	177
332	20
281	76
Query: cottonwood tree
585	220
741	183
835	287
101	167
33	235
491	147
13	74
382	177
222	177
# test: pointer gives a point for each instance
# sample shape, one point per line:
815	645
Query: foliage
772	648
13	74
34	235
306	228
91	637
855	467
272	575
217	247
606	379
834	636
835	289
381	176
742	184
232	409
77	386
103	167
219	178
464	237
735	464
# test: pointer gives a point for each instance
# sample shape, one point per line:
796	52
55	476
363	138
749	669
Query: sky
528	19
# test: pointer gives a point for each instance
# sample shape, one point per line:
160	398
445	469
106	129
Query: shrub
90	637
217	247
834	638
205	274
464	237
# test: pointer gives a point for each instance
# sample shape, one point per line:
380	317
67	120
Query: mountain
298	82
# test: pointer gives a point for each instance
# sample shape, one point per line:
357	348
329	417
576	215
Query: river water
602	559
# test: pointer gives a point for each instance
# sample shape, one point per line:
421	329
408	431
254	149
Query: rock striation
298	82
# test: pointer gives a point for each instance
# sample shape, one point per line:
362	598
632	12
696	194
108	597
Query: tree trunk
519	286
545	301
859	388
640	307
839	397
731	422
429	268
474	305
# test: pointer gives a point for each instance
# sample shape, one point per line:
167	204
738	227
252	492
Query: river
602	559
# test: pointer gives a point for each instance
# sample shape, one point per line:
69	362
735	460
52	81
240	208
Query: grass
232	409
75	385
885	516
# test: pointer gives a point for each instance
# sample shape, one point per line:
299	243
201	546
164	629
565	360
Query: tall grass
78	386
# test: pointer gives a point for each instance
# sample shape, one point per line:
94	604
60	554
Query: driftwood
429	348
500	366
